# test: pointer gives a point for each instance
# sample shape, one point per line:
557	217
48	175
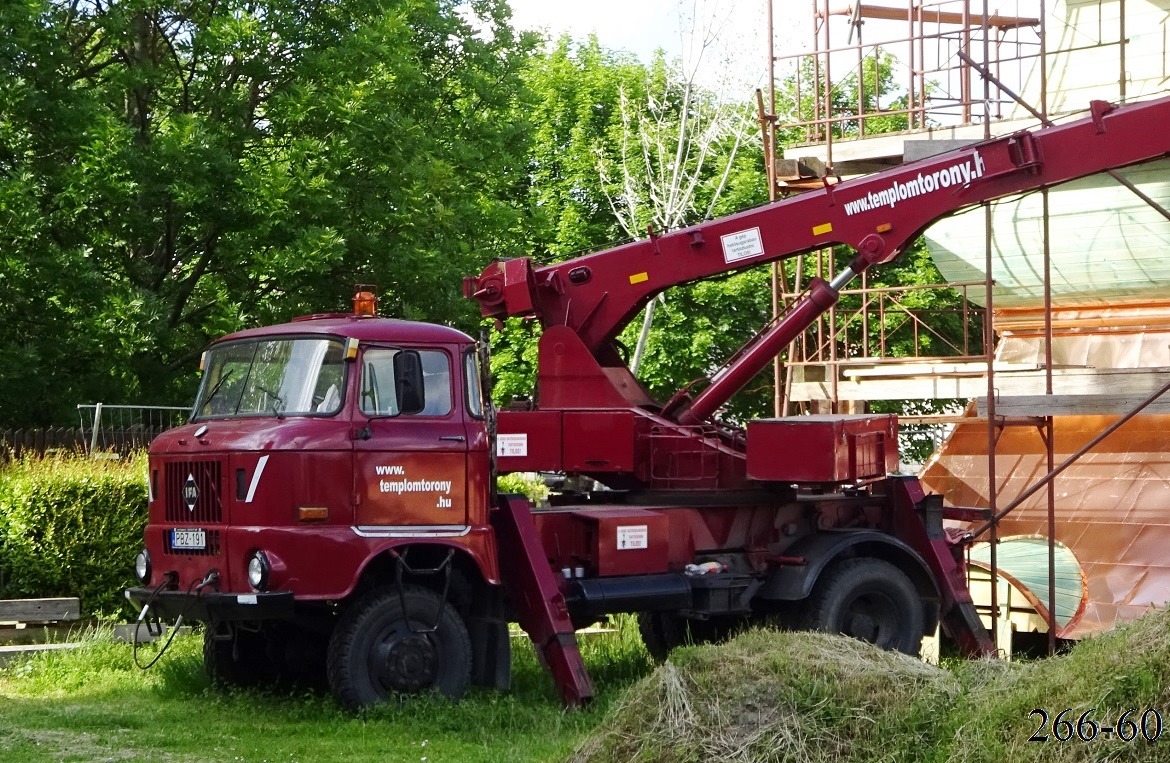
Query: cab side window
436	383
378	397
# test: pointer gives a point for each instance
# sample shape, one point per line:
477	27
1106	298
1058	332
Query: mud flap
491	654
537	600
959	619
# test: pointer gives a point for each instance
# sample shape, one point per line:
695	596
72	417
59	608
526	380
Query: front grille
212	548
197	483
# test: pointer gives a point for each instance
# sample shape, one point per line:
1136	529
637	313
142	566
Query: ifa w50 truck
330	508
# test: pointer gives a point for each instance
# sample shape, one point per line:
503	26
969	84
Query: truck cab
328	461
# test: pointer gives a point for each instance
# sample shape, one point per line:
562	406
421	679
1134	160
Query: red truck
331	509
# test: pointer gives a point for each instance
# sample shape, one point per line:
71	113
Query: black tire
662	632
871	600
377	650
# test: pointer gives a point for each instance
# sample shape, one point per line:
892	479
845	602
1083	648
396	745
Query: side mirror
408	381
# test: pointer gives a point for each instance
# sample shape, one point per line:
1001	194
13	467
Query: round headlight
258	571
142	566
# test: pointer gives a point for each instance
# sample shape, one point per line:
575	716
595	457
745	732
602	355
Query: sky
641	26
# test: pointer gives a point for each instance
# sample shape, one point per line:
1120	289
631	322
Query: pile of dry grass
770	695
780	696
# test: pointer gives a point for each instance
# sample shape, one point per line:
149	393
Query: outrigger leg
918	521
537	600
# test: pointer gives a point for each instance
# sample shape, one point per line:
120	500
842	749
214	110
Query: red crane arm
596	295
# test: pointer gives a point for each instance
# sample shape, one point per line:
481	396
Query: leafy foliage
862	102
608	134
173	171
531	486
575	94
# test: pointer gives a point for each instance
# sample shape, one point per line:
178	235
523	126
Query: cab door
411	457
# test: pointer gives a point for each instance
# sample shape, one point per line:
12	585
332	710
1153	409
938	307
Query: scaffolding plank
1138	382
1071	405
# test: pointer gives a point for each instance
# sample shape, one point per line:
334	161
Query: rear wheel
381	648
871	600
663	631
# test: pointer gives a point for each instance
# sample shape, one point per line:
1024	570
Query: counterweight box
839	448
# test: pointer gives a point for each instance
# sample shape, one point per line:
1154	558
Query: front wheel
383	646
871	600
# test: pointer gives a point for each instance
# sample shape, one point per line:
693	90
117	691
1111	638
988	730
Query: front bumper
215	607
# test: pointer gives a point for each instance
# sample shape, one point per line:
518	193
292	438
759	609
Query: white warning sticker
512	445
633	536
742	245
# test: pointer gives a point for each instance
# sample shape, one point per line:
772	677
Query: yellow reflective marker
819	230
639	277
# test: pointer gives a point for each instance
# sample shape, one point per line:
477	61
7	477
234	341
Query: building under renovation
1060	317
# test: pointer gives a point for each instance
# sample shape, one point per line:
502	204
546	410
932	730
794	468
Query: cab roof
361	328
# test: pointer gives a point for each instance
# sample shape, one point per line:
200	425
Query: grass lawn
93	704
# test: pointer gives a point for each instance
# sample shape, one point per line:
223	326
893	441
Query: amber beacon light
365	300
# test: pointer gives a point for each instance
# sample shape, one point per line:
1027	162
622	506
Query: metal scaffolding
915	67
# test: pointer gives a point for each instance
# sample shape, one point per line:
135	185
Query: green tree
869	89
170	171
572	98
575	94
619	146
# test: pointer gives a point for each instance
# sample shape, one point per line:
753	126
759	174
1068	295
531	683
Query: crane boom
595	296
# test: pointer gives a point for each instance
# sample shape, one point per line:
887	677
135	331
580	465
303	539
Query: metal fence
123	428
102	428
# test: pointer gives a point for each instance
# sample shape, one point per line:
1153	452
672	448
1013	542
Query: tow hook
154	626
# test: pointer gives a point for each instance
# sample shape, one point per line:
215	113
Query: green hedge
71	527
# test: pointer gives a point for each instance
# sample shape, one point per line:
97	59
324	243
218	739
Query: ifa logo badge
190	492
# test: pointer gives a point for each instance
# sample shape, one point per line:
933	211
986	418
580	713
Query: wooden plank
933	369
1072	405
39	610
939	418
1125	382
37	633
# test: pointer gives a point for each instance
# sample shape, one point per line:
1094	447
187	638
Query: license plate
188	539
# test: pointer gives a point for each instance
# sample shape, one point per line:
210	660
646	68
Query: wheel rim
403	661
871	617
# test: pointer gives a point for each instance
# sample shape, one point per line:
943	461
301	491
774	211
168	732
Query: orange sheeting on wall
1112	506
1117	337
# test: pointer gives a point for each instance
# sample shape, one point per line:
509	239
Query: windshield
272	377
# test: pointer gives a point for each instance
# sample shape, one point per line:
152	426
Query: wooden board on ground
39	610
